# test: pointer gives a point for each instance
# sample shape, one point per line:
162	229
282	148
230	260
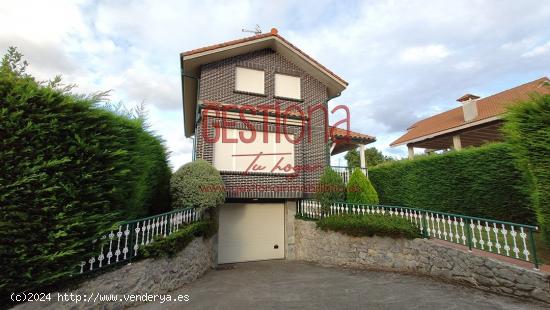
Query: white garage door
251	231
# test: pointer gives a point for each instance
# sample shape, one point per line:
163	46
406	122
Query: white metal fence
123	243
503	238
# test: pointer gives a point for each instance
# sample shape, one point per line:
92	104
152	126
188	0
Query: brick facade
217	83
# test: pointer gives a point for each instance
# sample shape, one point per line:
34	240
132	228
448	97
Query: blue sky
404	60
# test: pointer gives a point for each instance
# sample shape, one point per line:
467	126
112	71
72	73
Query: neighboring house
276	88
478	121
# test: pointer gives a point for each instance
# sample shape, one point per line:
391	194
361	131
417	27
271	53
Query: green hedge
528	131
370	225
171	245
69	170
483	182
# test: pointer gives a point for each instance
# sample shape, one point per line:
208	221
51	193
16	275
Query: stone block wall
149	276
419	256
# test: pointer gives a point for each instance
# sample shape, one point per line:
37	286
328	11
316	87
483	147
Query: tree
373	157
360	189
13	63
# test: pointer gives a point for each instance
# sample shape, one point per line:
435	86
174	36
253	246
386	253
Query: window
249	80
288	86
277	157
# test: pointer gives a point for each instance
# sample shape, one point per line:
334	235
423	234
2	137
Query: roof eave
450	130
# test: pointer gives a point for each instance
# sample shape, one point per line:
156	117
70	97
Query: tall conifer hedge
483	182
68	169
528	131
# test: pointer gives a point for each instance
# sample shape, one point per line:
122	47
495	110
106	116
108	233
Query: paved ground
297	285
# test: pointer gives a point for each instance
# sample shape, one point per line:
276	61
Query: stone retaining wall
149	276
418	256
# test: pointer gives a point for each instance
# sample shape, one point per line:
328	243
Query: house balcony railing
345	172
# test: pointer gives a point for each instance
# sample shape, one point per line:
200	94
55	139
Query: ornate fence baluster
505	237
143	231
443	222
457	236
433	225
481	241
488	232
513	233
149	232
420	223
101	257
126	235
462	224
118	235
427	221
497	243
110	253
473	233
450	224
523	237
136	245
157	227
92	261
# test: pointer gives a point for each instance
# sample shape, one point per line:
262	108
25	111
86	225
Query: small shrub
171	245
370	225
330	189
360	190
197	184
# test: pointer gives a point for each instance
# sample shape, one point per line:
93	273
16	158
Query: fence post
469	236
534	249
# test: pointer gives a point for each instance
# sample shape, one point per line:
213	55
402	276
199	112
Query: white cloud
467	65
424	54
539	50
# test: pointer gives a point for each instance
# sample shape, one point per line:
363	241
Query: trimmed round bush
331	188
197	184
360	190
69	171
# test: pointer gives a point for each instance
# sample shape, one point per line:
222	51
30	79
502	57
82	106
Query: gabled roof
191	61
489	109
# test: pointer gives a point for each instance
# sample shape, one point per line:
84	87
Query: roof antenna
256	30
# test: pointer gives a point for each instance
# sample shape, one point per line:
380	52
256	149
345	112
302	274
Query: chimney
469	106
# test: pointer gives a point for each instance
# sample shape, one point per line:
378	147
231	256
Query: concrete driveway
298	285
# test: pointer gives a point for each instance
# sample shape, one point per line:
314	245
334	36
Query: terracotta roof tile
342	133
488	107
